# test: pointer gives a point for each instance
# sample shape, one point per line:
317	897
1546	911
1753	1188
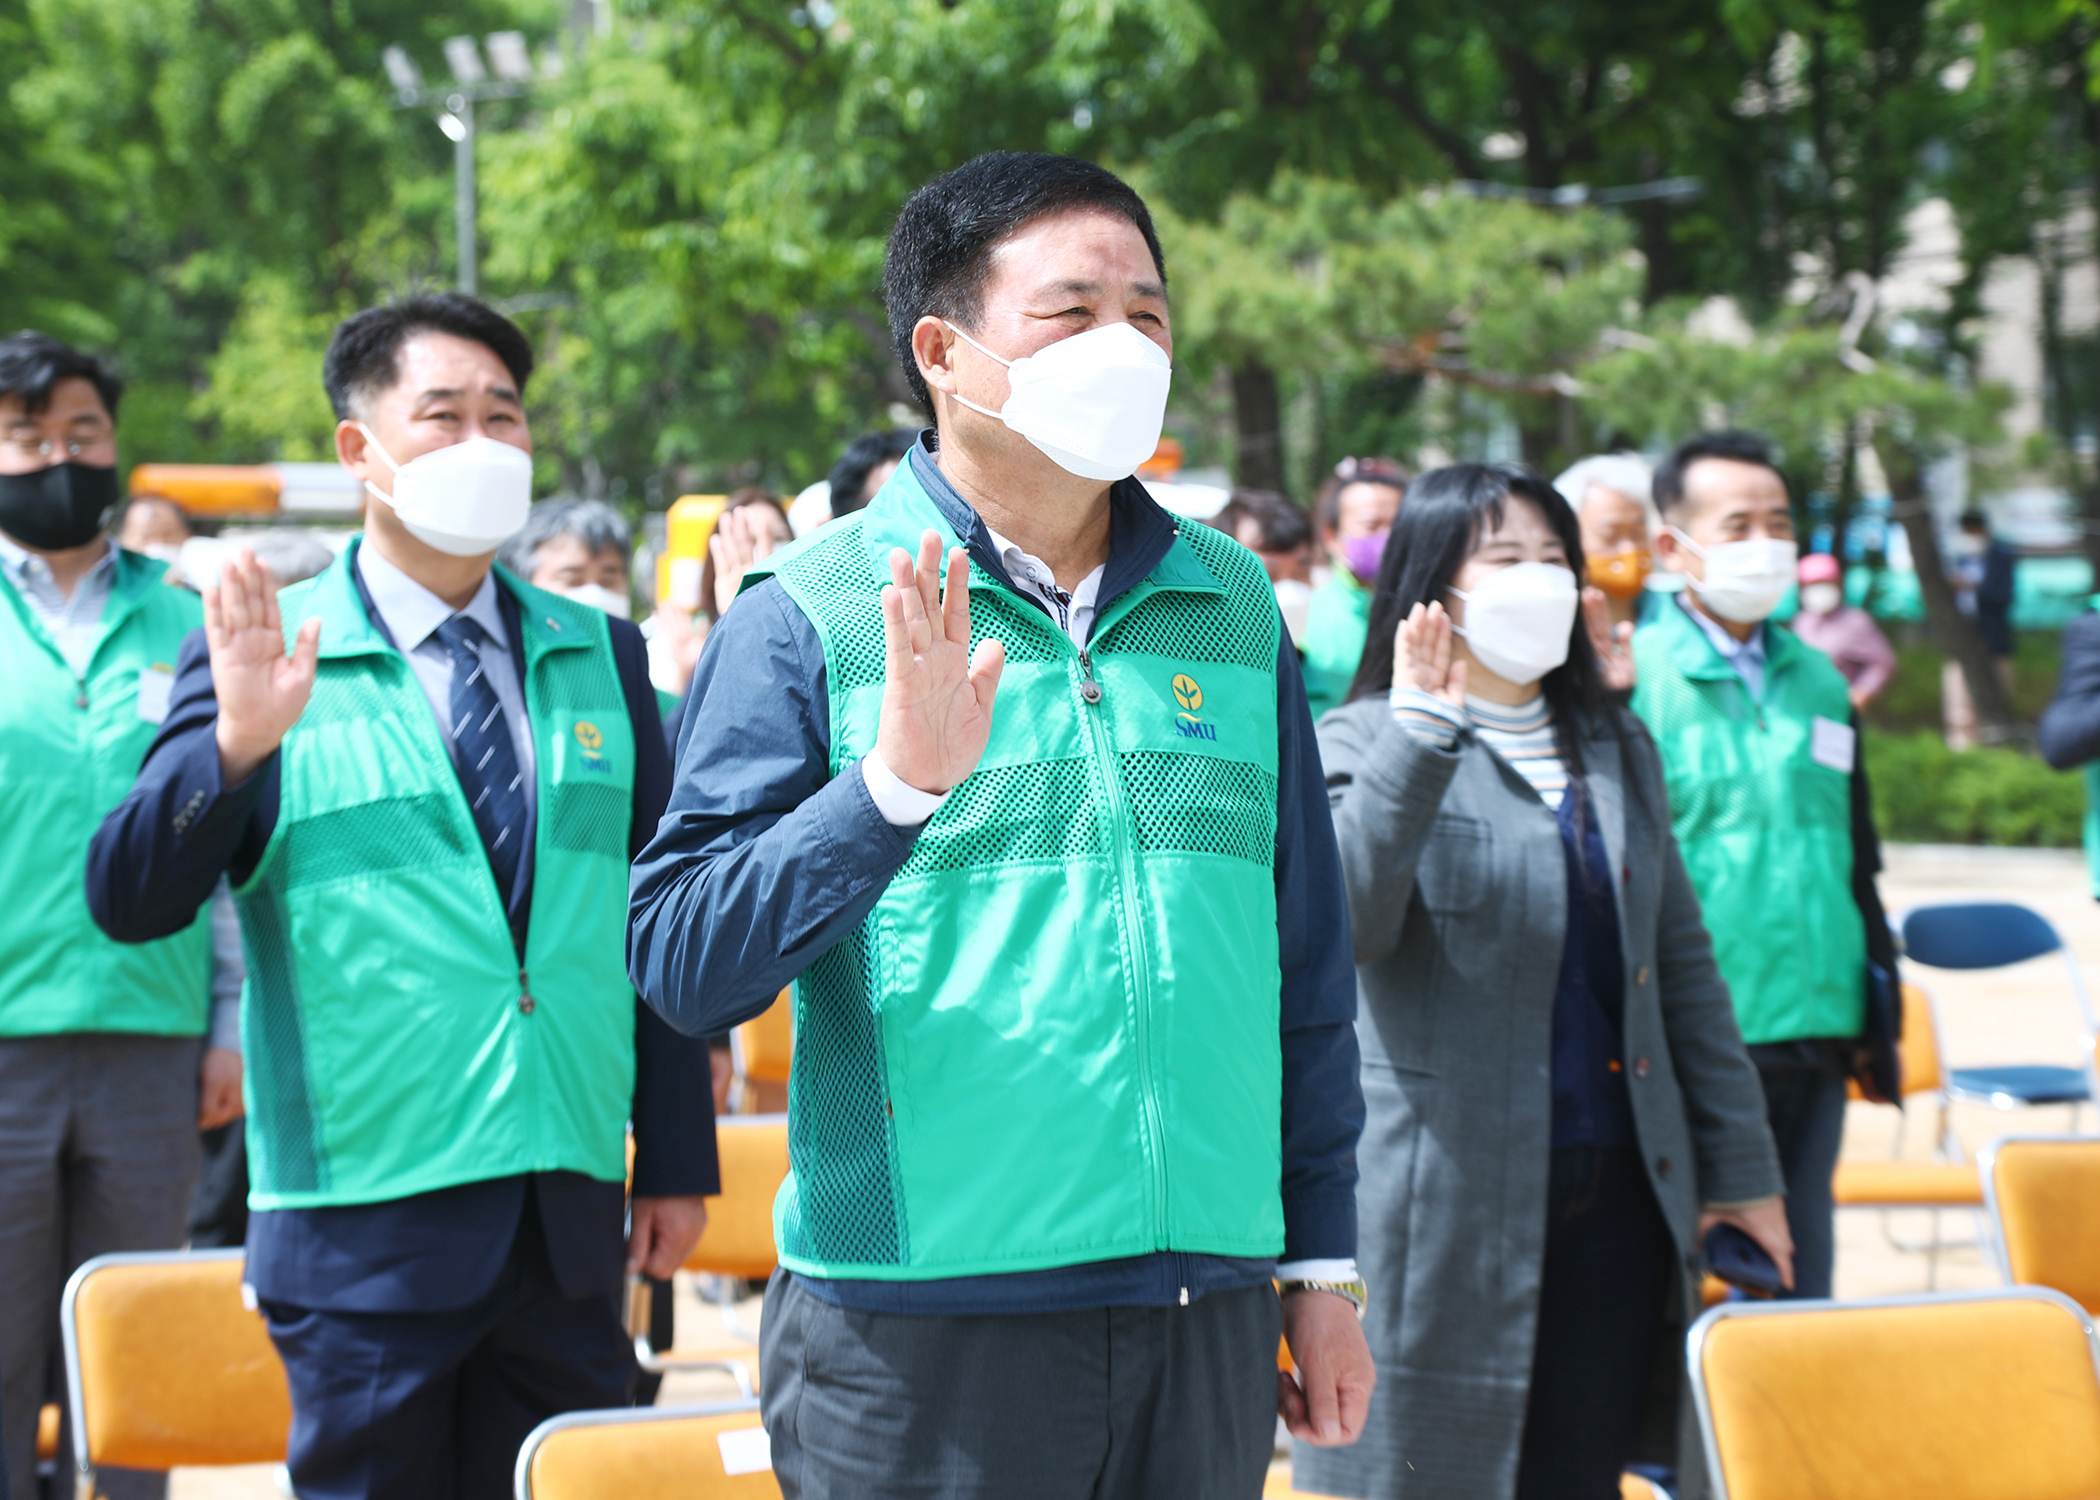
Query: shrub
1925	793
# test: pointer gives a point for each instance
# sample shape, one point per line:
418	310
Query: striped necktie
485	755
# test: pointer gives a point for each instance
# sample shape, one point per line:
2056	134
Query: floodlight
453	126
401	71
464	59
507	55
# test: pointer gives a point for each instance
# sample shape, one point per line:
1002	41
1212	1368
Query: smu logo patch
1190	697
591	740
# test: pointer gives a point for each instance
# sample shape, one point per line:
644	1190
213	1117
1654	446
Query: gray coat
1458	899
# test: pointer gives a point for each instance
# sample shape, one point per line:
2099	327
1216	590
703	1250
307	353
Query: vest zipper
1134	939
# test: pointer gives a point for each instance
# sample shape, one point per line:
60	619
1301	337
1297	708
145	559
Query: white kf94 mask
1094	403
1744	580
466	499
1519	620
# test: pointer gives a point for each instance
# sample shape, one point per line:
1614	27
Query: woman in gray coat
1559	1100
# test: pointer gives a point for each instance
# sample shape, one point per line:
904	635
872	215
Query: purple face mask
1363	554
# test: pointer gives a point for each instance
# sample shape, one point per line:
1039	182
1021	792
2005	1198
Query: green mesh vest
1055	1039
394	1042
70	748
1766	828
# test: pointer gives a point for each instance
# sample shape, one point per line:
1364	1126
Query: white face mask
1094	403
1744	580
1294	602
1821	598
467	499
1519	620
598	596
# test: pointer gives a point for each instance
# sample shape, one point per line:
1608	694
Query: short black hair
849	476
1283	526
1389	472
941	245
32	363
364	357
1973	520
1740	447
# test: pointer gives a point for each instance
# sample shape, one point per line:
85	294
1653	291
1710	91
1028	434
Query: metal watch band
1355	1291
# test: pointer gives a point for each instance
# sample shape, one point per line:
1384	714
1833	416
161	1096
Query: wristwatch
1356	1293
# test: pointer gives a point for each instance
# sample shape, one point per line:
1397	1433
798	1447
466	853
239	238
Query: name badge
155	684
1832	744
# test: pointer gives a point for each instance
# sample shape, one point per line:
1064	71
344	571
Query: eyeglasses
43	447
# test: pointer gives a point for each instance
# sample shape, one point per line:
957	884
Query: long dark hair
1440	523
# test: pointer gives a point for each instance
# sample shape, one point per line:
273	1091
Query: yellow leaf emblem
588	735
1186	693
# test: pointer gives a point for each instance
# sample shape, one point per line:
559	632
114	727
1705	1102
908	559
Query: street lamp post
471	83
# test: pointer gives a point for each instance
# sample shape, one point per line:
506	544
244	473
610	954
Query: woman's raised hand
1422	656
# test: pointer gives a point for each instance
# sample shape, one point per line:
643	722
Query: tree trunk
1997	723
1257	413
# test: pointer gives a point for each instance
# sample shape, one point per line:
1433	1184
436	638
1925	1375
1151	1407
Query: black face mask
58	508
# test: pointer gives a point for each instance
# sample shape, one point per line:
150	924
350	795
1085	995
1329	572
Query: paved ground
2021	1015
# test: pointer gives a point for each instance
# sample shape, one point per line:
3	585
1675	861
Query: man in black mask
104	1072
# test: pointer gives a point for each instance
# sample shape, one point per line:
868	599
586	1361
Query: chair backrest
764	1047
1973	1396
715	1452
166	1366
1977	935
2043	1193
738	1240
1921	1044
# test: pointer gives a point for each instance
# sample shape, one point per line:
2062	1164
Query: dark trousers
1602	1297
1148	1403
98	1149
1805	1103
434	1406
219	1206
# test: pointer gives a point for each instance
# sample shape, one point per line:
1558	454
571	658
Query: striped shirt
73	620
1521	734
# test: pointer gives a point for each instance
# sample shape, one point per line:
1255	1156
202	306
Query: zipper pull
1089	689
526	1004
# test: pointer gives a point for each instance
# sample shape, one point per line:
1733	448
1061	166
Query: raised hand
1613	644
1422	656
936	696
742	537
261	690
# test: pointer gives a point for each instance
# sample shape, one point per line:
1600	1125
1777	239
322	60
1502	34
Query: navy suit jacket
154	863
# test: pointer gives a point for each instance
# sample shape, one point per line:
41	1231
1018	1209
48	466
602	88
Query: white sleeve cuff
901	805
1317	1270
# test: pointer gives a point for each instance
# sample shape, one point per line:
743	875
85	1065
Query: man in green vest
1355	515
1014	778
1760	748
102	1047
425	779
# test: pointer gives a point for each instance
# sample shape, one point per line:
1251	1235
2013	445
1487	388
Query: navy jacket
764	861
155	861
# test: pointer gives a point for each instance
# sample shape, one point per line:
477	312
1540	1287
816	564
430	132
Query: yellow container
688	526
210	489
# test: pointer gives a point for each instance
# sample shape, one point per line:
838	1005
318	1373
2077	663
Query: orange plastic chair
166	1366
738	1241
1972	1396
716	1452
2044	1196
762	1051
1943	1184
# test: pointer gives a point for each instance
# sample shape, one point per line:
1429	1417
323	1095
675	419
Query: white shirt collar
1026	568
411	613
1731	649
17	559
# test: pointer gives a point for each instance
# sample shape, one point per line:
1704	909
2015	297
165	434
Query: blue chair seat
2014	1086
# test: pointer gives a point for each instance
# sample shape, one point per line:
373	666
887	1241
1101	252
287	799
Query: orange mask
1621	574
